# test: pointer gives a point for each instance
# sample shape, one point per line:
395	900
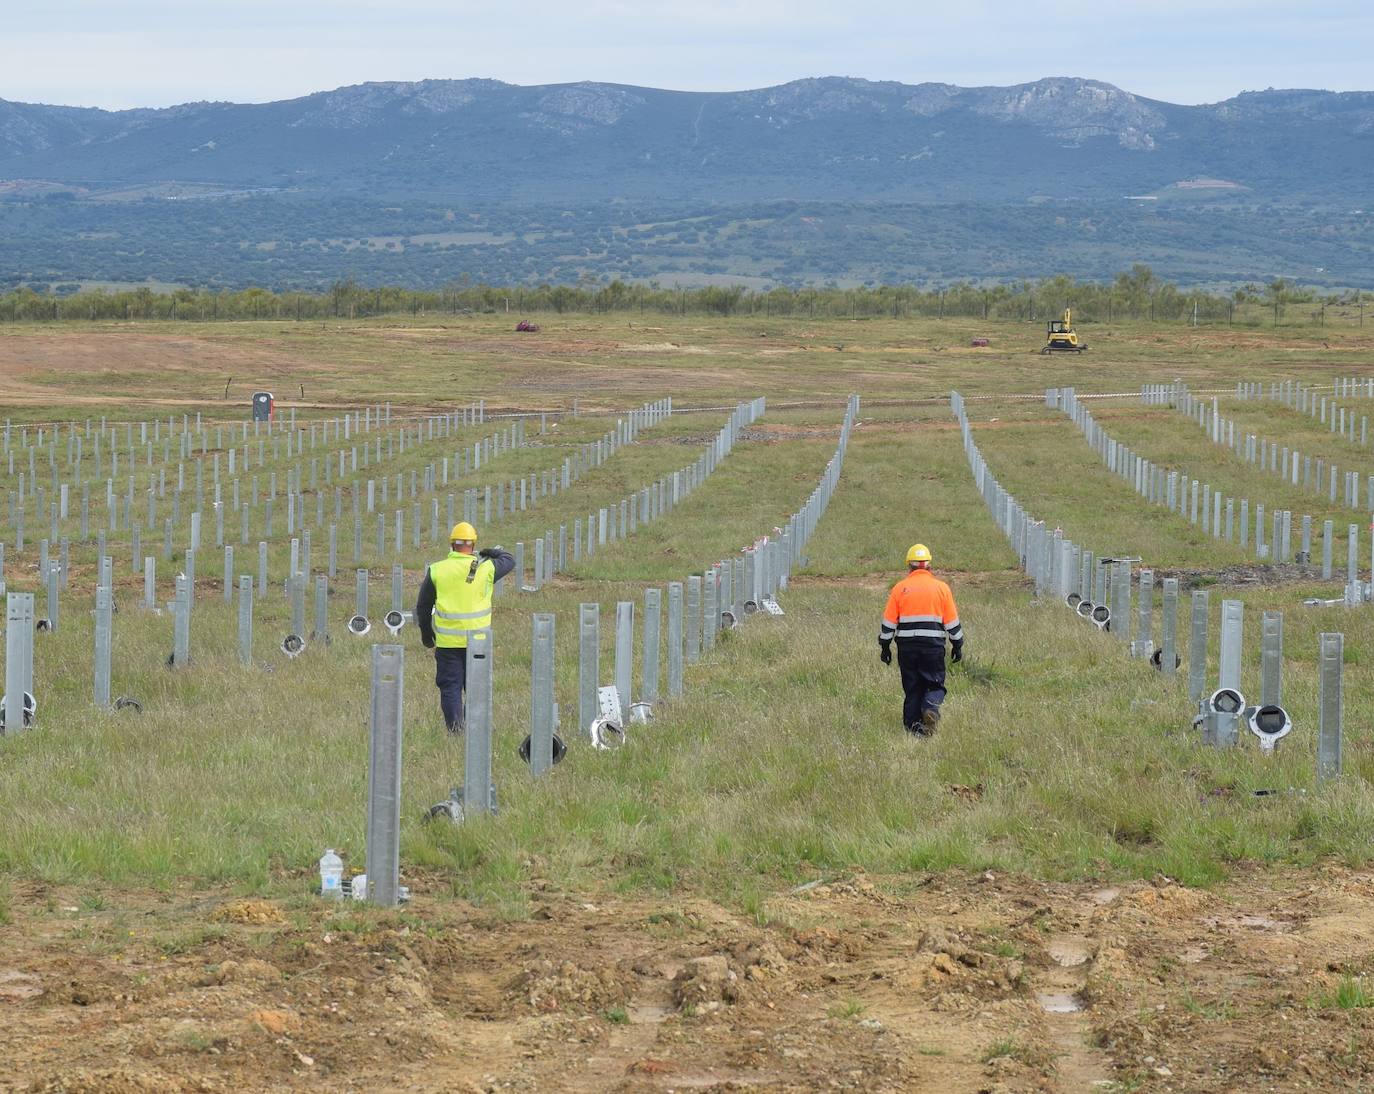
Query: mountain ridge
830	178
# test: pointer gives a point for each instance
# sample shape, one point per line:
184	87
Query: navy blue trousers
451	678
923	679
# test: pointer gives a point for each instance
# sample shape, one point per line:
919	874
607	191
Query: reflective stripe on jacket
462	597
921	609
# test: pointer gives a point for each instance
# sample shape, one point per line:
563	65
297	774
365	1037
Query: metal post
674	639
1144	633
541	694
1232	630
384	776
1331	661
1168	643
18	658
54	580
104	627
321	631
181	623
1197	648
361	595
624	654
653	611
1271	659
693	619
297	583
397	587
246	618
477	789
589	664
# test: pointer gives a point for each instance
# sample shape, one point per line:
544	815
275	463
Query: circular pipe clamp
559	749
359	625
30	710
1226	701
607	735
1102	616
1073	600
394	621
1270	723
728	622
292	644
1157	660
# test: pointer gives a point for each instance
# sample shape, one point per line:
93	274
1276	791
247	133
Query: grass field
890	908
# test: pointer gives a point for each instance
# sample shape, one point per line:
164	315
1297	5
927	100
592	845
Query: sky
125	53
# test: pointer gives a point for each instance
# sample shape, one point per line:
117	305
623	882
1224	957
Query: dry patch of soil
911	983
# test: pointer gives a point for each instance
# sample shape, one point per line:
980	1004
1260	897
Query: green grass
1350	993
785	759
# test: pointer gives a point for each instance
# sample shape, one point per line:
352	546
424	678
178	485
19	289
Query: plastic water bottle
360	887
331	875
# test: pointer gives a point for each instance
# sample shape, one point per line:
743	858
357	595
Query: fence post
653	611
181	622
246	618
18	658
1168	643
384	776
625	654
693	619
541	694
297	582
674	639
589	664
1197	648
104	626
1271	659
1331	660
477	740
321	632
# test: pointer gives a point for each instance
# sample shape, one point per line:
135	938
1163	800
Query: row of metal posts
1195	500
1054	563
1288	464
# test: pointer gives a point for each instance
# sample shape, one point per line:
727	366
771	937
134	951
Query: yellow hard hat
919	553
464	531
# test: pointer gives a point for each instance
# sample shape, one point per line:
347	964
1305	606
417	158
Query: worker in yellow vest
455	600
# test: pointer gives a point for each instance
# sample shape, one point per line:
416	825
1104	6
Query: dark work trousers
923	679
451	678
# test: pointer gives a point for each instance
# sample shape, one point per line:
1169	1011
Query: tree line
1136	294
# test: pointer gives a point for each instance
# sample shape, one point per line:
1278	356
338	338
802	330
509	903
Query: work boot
929	720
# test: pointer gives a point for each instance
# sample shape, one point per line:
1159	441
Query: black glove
885	653
489	552
428	641
956	652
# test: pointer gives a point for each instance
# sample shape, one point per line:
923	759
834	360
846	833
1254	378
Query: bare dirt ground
925	982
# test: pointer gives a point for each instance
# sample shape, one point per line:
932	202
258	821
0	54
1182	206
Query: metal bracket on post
384	776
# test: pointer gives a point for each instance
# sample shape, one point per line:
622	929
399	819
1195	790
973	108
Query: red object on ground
526	325
980	342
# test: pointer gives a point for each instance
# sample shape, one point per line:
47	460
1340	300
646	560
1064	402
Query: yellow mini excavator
1060	337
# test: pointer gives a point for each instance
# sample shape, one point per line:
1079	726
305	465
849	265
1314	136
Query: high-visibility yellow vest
462	597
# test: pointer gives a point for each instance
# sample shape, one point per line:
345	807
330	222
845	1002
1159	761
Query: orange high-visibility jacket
920	610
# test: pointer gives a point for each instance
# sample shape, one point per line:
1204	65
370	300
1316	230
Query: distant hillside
445	177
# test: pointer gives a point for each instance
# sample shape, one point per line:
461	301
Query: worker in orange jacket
920	615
